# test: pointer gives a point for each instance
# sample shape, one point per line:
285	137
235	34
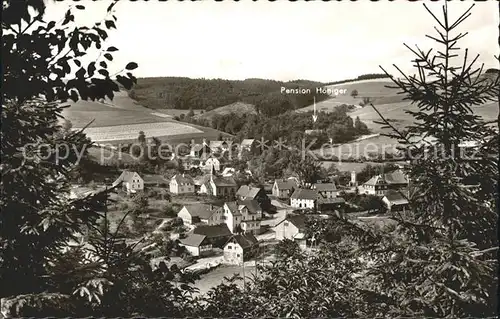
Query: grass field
120	120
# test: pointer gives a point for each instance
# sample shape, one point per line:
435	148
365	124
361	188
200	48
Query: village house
219	186
326	190
329	204
196	245
283	188
181	184
246	192
219	146
380	184
195	214
243	216
304	198
247	145
292	227
217	235
240	248
131	182
211	163
200	150
395	201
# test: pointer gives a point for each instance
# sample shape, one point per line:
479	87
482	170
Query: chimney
211	206
205	142
353	178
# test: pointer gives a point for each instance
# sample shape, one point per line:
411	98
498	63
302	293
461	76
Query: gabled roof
396	198
335	200
213	231
224	181
203	211
248	192
252	205
285	184
302	193
183	179
244	240
194	240
125	176
375	180
247	142
396	177
198	147
298	221
218	144
325	187
233	207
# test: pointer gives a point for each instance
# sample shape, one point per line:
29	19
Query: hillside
237	107
389	103
121	120
208	94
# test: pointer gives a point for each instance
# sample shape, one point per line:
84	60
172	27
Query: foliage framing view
437	262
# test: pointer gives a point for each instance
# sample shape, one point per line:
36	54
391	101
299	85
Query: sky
321	41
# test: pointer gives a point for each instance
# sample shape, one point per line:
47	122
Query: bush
169	210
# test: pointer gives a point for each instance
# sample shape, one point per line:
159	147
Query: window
238	255
285	224
229	247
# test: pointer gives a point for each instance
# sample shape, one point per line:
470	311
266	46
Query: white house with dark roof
380	184
219	186
217	235
196	245
194	214
293	227
131	181
395	201
283	188
240	248
211	163
243	216
304	198
181	184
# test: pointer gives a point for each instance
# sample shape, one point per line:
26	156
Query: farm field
120	120
130	131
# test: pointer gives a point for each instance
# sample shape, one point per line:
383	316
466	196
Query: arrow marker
315	117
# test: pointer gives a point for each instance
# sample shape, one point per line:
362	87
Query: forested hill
207	94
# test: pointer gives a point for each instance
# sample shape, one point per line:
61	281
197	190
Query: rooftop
213	231
244	240
193	240
203	211
302	193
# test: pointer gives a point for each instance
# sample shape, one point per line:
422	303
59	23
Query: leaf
103	64
126	82
108	56
131	66
51	25
80	7
110	24
78	63
112	49
91	68
104	72
80	73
